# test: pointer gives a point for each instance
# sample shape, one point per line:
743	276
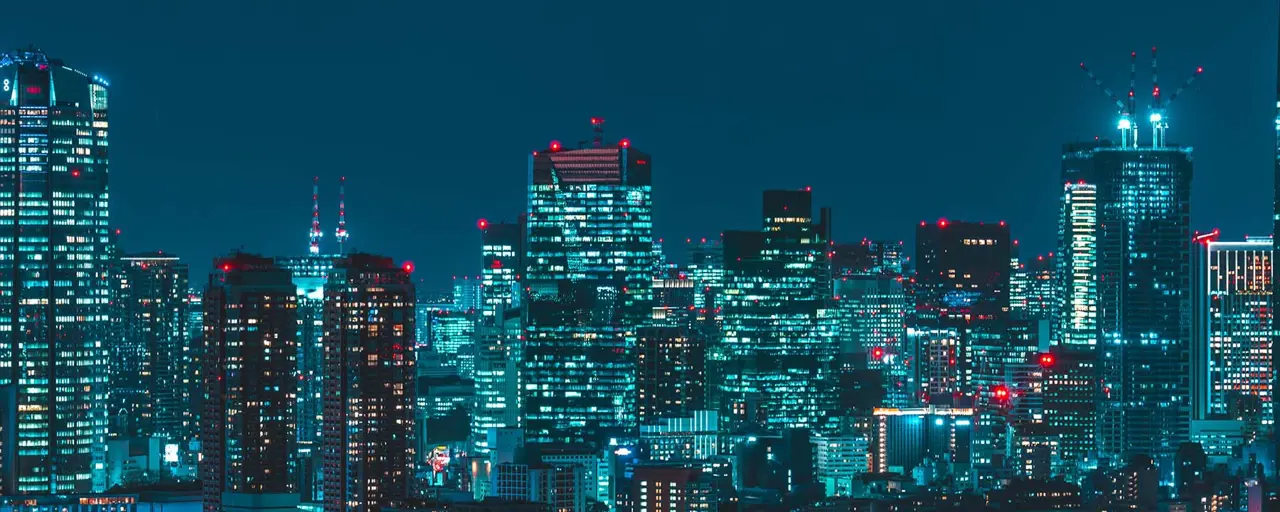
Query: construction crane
1159	104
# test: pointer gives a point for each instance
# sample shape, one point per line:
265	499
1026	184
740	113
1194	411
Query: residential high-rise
1143	199
588	275
369	385
248	431
497	335
671	374
1231	336
53	353
147	361
193	379
778	354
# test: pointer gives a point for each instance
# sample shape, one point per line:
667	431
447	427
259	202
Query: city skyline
986	91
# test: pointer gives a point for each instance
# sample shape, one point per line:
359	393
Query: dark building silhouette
249	430
671	374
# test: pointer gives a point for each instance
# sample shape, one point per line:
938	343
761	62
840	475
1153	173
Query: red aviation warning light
624	143
482	224
877	353
408	267
555	145
1001	392
1047	360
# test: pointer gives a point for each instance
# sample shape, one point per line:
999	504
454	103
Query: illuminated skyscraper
1078	267
1144	290
468	294
248	432
589	270
451	334
497	337
1073	396
1231	336
778	355
1144	277
872	312
147	362
706	268
56	293
370	383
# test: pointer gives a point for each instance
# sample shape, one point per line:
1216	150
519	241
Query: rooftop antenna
315	216
597	126
1128	130
341	233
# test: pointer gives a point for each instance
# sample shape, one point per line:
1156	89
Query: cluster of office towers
299	375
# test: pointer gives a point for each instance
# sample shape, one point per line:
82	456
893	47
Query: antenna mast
597	126
315	216
341	234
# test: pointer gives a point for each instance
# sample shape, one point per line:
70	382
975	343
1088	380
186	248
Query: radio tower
341	234
315	216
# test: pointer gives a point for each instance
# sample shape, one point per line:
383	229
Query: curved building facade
54	256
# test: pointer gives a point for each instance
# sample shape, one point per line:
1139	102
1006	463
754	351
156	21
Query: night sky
894	112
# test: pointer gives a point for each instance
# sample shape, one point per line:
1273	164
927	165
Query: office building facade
1231	337
1143	197
147	359
53	183
589	270
778	354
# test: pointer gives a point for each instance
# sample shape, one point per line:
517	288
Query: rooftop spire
341	234
315	216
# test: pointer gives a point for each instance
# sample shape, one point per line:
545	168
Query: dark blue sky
893	112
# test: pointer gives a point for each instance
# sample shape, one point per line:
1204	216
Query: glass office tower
54	298
147	360
778	355
1231	337
497	334
589	271
1144	290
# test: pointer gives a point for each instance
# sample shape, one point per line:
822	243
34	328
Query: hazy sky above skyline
894	112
